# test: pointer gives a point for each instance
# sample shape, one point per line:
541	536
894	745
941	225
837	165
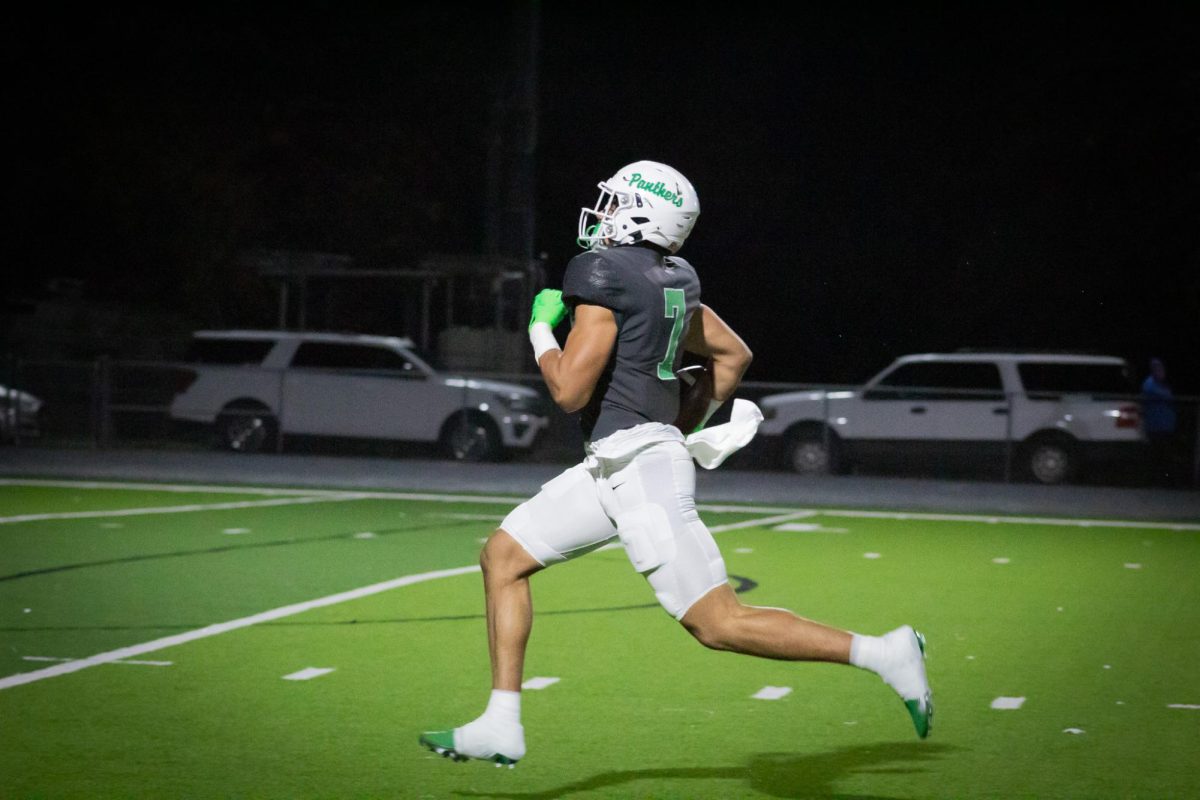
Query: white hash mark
1008	703
308	673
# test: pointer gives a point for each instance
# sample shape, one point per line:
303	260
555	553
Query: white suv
1049	414
251	385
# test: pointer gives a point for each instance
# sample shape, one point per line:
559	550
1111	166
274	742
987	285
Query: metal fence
109	403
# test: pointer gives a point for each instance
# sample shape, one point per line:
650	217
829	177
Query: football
695	392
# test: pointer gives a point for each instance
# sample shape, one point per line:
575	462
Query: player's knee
504	558
492	556
715	619
712	633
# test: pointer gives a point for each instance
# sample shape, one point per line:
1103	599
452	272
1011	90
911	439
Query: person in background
1159	420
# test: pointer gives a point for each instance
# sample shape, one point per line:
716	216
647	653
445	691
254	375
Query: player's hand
548	307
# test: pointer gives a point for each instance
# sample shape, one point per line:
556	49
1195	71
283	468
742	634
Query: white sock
497	730
504	707
895	657
868	652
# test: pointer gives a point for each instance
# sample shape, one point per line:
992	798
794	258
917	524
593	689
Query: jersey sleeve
592	280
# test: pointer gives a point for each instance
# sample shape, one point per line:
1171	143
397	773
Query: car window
228	351
333	355
941	380
1051	381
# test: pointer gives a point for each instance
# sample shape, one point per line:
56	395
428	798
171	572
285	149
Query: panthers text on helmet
657	188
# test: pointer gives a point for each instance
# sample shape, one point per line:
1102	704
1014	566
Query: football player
635	308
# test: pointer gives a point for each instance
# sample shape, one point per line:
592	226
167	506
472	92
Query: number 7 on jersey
676	310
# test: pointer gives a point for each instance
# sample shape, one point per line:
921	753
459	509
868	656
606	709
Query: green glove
548	307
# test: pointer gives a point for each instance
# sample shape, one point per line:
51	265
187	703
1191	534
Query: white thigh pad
564	520
646	533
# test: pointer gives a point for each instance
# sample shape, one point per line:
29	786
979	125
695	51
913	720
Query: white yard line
139	663
224	627
471	517
807	527
136	512
267	491
732	526
156	487
723	509
371	495
488	499
1074	523
754	523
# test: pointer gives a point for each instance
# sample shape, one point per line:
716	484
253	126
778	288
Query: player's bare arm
709	335
571	373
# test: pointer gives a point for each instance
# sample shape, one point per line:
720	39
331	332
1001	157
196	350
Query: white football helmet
644	202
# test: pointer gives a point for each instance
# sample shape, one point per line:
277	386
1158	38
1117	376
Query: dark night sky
873	182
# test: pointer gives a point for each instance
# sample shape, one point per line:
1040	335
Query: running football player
635	308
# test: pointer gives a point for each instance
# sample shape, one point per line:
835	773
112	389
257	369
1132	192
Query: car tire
246	429
1051	461
471	437
812	452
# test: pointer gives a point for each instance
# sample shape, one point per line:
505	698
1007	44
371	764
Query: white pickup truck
1050	413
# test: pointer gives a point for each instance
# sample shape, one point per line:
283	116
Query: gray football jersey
653	297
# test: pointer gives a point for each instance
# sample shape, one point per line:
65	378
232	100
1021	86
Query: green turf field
112	683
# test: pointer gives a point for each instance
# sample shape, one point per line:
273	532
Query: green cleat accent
442	743
921	710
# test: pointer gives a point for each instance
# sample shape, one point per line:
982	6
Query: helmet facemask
597	225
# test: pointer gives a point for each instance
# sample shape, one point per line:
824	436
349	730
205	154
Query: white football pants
644	497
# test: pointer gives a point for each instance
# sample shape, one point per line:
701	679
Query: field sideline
170	640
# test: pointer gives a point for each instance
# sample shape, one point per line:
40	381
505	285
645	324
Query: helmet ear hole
639	220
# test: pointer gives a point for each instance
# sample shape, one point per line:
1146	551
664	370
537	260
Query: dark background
874	180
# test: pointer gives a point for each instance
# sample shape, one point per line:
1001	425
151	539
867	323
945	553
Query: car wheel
245	430
471	438
1050	462
811	453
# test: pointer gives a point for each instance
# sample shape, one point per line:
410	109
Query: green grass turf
640	710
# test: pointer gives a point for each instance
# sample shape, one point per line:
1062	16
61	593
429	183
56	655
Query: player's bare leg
497	735
506	570
720	621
